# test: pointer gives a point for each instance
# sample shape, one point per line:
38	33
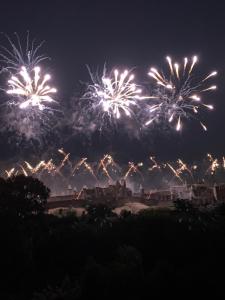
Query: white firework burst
31	89
115	95
178	95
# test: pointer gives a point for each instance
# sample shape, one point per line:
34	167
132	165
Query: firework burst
28	113
178	94
32	89
112	97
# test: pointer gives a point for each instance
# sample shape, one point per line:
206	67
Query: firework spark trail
39	166
178	169
102	160
175	172
91	171
16	55
50	166
214	164
183	167
178	95
10	173
102	164
155	164
133	169
111	161
35	169
31	90
64	160
29	167
24	171
83	162
78	165
66	155
79	194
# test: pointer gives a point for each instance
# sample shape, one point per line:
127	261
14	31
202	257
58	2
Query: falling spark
203	126
178	127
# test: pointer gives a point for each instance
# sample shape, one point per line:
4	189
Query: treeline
100	255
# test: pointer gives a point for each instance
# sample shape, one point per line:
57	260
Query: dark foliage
100	256
22	196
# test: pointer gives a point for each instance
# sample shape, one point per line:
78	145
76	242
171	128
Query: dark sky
132	34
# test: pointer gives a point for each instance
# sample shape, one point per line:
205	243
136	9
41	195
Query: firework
31	90
104	162
177	95
10	173
87	166
180	169
27	112
50	167
175	172
37	168
78	165
133	168
24	172
90	170
112	97
17	54
183	167
214	164
155	165
64	160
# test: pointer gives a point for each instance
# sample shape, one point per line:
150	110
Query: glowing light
115	94
31	89
214	164
174	96
133	168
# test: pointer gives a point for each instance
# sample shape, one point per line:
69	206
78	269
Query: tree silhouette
99	214
23	196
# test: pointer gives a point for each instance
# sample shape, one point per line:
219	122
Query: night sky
129	34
